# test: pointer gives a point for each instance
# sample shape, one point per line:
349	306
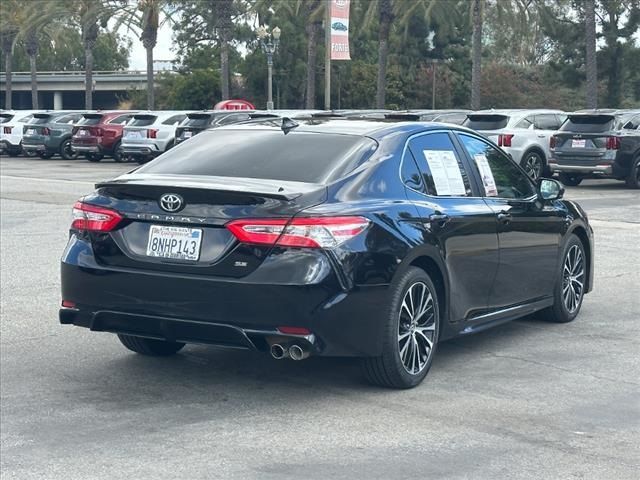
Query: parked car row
583	144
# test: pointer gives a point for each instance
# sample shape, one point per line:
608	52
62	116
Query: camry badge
170	202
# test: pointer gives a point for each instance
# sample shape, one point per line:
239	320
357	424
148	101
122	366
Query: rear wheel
93	157
570	180
633	179
570	284
410	334
66	152
117	153
533	164
148	346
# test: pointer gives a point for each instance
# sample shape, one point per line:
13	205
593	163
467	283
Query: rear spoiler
486	117
591	117
93	115
403	116
281	190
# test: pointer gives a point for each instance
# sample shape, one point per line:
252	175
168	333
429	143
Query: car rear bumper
142	151
221	310
34	147
86	148
605	169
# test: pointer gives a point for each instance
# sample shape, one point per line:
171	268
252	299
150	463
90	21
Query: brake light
613	143
46	131
553	141
97	131
68	304
152	132
93	218
7	130
313	232
504	140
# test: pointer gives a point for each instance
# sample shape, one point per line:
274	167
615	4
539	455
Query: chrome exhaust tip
278	351
296	352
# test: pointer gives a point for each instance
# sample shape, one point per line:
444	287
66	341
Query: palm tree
9	29
224	26
476	53
590	61
313	13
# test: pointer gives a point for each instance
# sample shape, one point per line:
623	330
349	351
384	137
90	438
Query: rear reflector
94	219
312	232
294	330
504	140
68	304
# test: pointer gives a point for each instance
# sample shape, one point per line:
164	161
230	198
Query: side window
546	122
410	174
525	122
121	120
632	124
443	173
500	175
561	118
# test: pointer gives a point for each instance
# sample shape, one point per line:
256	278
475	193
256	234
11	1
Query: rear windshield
588	124
40	119
142	121
92	120
5	117
486	122
198	121
265	154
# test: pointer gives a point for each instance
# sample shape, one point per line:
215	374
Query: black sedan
324	237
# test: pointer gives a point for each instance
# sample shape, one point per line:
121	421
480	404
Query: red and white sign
234	105
340	30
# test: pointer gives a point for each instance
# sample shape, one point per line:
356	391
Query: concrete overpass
65	90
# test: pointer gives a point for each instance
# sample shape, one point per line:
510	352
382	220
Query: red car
100	133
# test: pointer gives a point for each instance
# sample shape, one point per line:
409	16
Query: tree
313	13
476	68
224	27
9	29
591	66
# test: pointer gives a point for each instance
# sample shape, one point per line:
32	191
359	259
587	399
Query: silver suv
148	134
523	134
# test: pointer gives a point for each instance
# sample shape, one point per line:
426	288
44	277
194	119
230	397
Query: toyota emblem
170	202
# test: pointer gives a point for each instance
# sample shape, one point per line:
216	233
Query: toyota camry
326	237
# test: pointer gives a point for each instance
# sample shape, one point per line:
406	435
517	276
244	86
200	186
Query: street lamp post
269	43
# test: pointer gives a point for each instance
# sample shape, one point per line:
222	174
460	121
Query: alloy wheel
573	279
416	328
533	166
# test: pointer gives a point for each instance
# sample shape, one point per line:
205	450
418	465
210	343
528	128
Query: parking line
36	179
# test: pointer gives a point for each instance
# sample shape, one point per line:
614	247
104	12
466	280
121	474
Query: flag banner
340	30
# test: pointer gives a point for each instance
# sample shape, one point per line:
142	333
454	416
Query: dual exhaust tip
294	352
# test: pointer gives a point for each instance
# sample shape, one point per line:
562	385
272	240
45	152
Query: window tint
25	119
546	122
500	175
121	120
486	121
442	171
410	174
40	119
90	120
269	154
525	122
234	118
73	118
631	123
142	120
5	117
175	120
456	118
588	124
202	120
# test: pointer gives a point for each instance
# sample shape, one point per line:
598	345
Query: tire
117	153
65	151
563	311
389	369
29	153
533	164
570	180
45	155
93	157
148	346
633	178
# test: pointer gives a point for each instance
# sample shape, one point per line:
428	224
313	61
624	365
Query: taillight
7	130
613	143
314	232
553	141
504	140
152	132
94	219
96	131
294	330
46	131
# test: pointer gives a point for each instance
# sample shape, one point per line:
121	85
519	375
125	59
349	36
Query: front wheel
117	153
410	334
148	346
570	180
45	155
66	152
93	157
570	284
633	178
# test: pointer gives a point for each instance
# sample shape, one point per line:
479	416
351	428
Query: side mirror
550	189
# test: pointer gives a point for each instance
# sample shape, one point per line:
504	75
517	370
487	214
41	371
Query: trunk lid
137	130
584	137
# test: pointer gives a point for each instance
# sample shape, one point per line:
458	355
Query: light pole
434	62
269	43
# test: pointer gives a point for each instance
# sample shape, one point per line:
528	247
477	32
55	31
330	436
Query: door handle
440	219
504	217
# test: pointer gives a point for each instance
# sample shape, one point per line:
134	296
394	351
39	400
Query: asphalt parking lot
527	400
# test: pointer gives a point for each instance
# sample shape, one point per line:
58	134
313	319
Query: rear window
25	119
588	124
198	121
40	119
142	120
92	120
298	156
486	122
5	117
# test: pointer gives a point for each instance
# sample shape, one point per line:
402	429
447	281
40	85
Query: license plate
177	243
132	134
82	133
31	131
187	134
578	143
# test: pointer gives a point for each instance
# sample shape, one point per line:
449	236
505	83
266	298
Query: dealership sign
340	30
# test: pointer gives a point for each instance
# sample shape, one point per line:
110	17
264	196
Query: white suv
148	134
12	124
523	134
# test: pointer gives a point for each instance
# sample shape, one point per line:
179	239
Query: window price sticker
445	172
487	175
